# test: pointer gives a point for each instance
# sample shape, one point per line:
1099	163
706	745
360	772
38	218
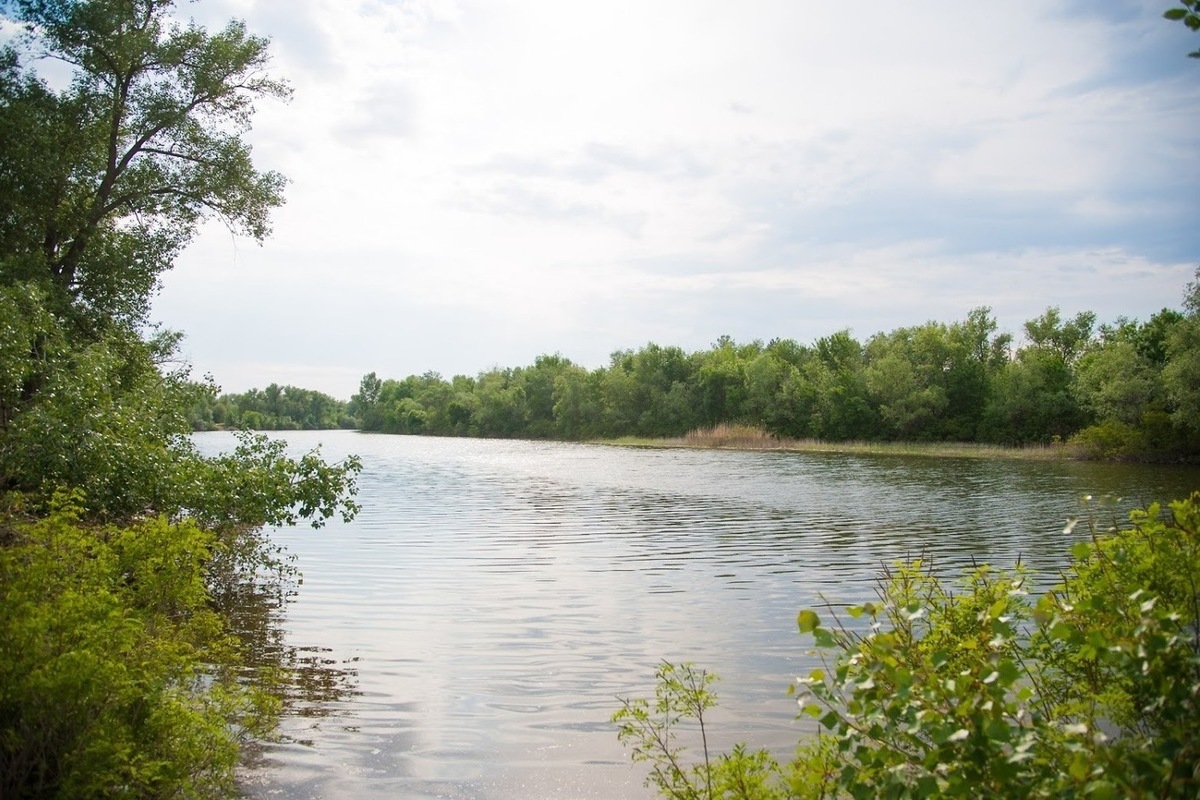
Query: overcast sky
476	183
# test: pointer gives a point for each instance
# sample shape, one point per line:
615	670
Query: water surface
494	598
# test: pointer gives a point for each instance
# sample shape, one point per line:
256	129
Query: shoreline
739	437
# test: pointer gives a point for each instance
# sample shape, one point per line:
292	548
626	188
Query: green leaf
999	731
808	621
1101	790
1080	766
1009	671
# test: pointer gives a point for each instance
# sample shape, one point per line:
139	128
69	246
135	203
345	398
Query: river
468	635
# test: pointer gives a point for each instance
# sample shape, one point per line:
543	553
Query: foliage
116	675
1112	439
258	484
1189	15
106	419
964	689
1127	390
275	408
650	731
1181	375
109	177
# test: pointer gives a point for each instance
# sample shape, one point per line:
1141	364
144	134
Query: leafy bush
969	688
1111	439
117	678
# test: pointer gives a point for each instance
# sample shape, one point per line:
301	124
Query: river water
470	632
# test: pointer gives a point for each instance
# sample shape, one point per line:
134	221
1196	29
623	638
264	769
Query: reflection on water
307	681
495	598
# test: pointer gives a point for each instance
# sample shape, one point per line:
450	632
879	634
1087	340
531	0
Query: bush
116	676
969	688
1111	439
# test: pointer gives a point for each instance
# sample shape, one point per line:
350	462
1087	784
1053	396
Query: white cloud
492	180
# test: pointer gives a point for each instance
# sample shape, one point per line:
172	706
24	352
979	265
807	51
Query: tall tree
118	675
1181	375
104	181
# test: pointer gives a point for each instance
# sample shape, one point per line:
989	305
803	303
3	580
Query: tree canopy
105	180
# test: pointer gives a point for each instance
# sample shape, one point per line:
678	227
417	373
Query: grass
733	436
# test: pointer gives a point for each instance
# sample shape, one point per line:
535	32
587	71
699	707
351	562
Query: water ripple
498	596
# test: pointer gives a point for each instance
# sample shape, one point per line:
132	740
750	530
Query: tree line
275	408
1125	389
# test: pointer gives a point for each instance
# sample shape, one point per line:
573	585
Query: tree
978	353
720	377
842	409
576	402
1140	384
1115	382
118	673
1181	373
539	383
906	376
778	396
280	408
103	182
1031	398
1068	339
503	408
363	404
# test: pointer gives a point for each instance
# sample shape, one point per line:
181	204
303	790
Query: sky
475	183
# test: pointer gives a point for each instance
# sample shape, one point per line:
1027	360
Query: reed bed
734	436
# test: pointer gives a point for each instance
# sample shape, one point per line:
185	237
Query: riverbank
746	437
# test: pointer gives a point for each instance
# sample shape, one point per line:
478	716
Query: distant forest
276	408
1126	389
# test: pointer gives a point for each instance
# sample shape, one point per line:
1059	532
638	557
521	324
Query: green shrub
969	688
116	677
1111	439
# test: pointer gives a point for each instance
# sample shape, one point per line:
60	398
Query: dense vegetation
1126	389
972	688
275	408
120	670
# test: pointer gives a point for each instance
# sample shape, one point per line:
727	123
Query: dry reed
736	436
